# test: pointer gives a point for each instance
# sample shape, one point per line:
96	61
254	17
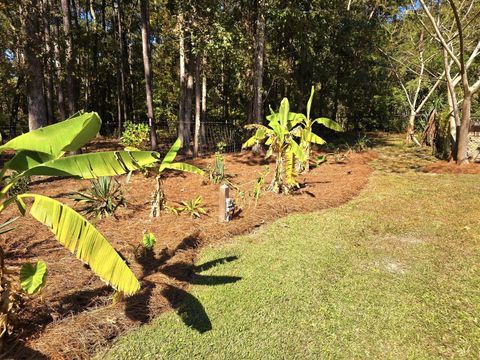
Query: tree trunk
58	67
147	65
181	102
411	129
48	63
463	137
198	106
123	59
15	106
37	111
204	101
118	68
69	58
188	111
258	63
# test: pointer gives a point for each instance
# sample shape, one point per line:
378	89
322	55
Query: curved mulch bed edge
73	317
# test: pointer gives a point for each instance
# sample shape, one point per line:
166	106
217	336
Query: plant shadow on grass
187	306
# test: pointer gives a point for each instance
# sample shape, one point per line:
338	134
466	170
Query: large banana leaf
185	167
93	165
26	159
297	151
172	153
310	137
283	112
76	234
260	135
309	102
333	125
68	135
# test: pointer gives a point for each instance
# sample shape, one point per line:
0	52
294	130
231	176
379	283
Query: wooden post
222	203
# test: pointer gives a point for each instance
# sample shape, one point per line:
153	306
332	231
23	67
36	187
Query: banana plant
306	134
43	152
279	137
158	197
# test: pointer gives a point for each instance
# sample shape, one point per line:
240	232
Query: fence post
222	203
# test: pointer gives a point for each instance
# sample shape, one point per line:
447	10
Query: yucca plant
42	152
102	199
158	197
306	134
279	136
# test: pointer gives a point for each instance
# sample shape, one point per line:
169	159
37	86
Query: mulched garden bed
73	316
450	167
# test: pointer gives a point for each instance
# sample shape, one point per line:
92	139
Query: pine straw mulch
450	167
73	316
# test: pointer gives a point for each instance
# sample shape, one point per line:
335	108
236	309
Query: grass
393	274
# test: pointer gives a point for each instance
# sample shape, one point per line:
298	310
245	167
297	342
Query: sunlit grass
392	274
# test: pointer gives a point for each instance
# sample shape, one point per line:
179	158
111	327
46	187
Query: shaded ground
73	316
393	274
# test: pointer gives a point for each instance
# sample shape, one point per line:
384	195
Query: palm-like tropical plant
306	134
42	152
158	197
279	136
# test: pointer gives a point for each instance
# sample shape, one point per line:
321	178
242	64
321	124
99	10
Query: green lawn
394	274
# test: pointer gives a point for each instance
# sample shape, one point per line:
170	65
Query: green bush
135	136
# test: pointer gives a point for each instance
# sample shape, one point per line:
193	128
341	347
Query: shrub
135	136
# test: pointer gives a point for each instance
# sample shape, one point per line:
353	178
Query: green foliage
221	146
291	158
158	197
279	136
135	136
192	207
102	199
33	277
42	152
259	183
306	134
149	241
363	143
4	226
19	187
216	174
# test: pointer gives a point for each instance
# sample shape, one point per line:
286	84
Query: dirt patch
445	167
74	315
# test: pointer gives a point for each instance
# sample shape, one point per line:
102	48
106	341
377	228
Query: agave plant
102	199
42	152
158	197
307	136
279	136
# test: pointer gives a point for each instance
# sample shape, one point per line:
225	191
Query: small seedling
259	183
149	241
33	277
